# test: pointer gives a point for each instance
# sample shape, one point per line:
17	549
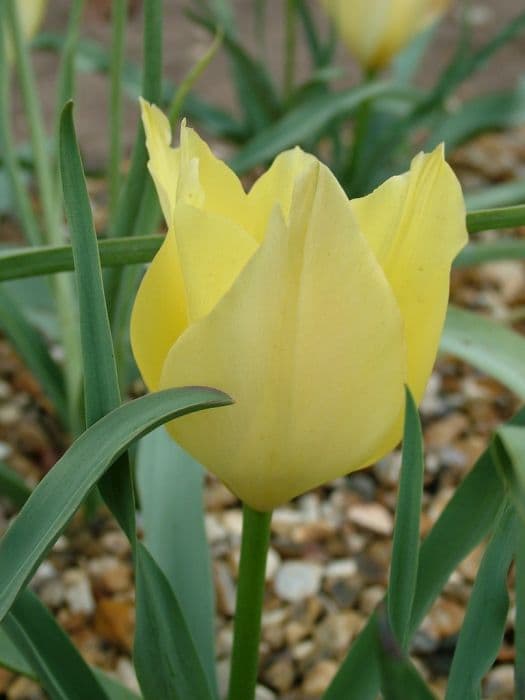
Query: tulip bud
376	31
31	14
310	310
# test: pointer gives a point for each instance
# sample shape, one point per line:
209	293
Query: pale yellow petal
276	186
159	314
309	343
212	252
163	161
415	223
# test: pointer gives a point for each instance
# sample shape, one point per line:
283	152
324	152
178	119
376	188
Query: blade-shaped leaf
62	490
170	488
490	251
484	625
487	345
405	550
56	661
101	387
165	658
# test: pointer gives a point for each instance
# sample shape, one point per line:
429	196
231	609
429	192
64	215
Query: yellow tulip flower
311	310
375	31
31	15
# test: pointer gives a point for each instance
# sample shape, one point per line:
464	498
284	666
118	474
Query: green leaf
13	660
487	345
519	625
170	488
490	251
503	217
166	662
33	351
405	551
13	486
467	518
63	489
56	661
497	195
502	110
399	677
305	122
484	624
508	451
114	252
101	386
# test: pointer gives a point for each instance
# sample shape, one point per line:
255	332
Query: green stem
53	229
22	201
290	47
358	148
504	217
119	9
250	595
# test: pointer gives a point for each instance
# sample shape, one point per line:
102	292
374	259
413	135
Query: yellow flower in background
311	310
376	31
31	14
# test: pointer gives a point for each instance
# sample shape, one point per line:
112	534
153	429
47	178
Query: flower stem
250	595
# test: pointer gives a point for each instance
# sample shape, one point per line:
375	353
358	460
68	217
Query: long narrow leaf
165	658
487	345
170	487
62	490
56	661
484	624
405	551
101	387
490	251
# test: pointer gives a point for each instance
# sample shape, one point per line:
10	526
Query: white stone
78	592
297	580
373	517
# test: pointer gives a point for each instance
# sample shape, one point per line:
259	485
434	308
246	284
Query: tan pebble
77	592
280	674
232	523
336	632
370	599
373	517
5	679
115	621
469	566
499	684
24	689
224	642
115	543
126	674
341	568
304	651
225	587
319	678
263	693
296	632
215	532
110	575
313	532
445	619
444	431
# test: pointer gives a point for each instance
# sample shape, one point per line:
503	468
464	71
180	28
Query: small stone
215	532
109	574
296	632
280	674
77	592
225	587
5	450
373	517
469	566
115	543
115	622
126	673
304	651
232	523
297	580
273	562
370	599
444	431
336	632
499	684
341	568
319	678
52	593
222	669
5	679
446	618
224	643
262	693
24	689
45	571
10	414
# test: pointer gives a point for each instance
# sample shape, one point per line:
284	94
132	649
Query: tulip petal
309	343
276	186
190	173
159	314
212	252
415	224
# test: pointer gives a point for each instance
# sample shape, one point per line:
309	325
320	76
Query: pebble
297	580
373	517
336	631
499	684
444	431
126	673
5	450
24	689
319	678
115	622
77	592
109	574
116	543
280	674
370	598
52	593
225	588
263	693
341	568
